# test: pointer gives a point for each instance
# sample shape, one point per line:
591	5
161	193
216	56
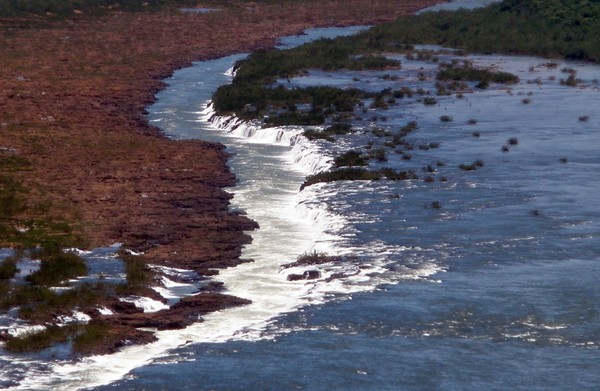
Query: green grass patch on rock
56	268
357	174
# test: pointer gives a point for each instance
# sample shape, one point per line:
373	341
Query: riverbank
73	95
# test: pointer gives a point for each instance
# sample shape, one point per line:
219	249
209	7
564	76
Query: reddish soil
72	99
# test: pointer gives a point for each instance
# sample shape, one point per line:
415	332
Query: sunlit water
497	289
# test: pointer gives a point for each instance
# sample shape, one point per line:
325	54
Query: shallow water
497	289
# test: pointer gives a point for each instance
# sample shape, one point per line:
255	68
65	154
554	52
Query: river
494	287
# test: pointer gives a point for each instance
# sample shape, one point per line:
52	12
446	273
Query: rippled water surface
484	280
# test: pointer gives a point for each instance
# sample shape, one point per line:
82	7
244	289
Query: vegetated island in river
81	167
259	93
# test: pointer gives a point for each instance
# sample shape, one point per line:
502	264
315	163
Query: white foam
75	317
23	330
105	311
145	303
304	154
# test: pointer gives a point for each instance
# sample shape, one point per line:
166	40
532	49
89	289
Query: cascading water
516	308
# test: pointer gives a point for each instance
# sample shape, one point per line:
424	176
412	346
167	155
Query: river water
496	289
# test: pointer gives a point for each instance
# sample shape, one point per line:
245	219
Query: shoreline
74	96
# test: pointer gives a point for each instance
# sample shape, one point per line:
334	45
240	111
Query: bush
90	335
58	267
480	75
138	273
8	268
357	174
350	158
429	101
571	81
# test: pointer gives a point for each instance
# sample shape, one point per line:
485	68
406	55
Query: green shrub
24	295
357	174
8	268
571	81
58	267
473	74
547	28
90	336
429	101
350	158
38	340
139	275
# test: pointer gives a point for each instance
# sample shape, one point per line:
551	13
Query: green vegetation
24	225
329	132
90	335
429	101
553	27
358	174
38	340
8	268
252	94
139	275
58	267
40	304
12	8
570	81
473	74
350	158
549	28
249	100
85	337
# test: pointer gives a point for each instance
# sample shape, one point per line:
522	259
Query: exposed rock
307	275
182	314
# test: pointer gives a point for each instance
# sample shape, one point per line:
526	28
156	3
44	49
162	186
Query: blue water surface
514	300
